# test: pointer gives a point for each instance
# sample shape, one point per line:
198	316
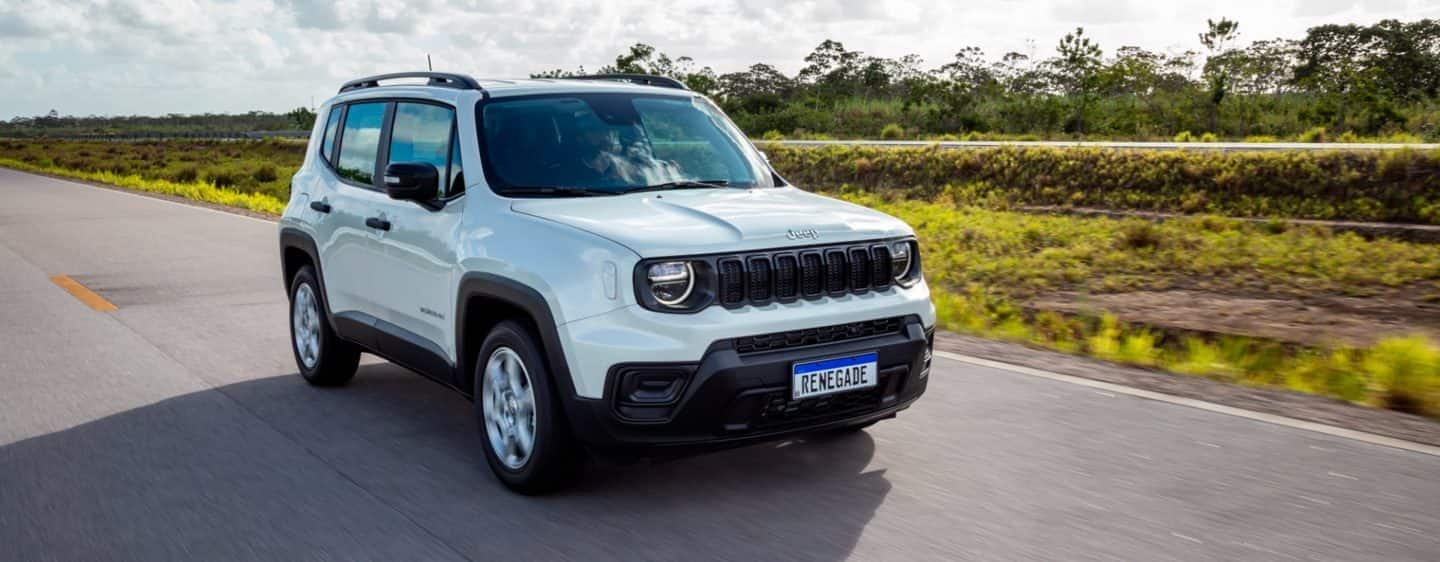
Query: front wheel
527	441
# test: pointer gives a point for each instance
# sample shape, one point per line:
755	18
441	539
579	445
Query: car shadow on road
309	472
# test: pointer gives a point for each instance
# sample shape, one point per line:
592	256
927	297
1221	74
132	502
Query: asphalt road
176	428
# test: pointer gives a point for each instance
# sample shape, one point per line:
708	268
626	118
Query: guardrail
1218	146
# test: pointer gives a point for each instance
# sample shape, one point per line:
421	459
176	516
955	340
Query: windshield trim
499	187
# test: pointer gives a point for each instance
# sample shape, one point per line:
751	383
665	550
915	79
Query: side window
457	174
327	141
421	133
360	142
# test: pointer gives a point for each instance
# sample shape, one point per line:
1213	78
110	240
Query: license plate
829	376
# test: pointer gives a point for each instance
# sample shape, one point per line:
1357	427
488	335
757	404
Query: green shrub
1396	186
773	135
1184	136
224	177
1406	372
1314	134
186	174
892	131
265	173
1209	137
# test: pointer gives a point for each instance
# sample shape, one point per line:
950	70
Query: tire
322	357
511	354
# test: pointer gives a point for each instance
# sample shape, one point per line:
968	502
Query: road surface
175	427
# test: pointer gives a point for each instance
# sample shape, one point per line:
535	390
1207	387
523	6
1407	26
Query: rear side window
327	141
421	133
360	142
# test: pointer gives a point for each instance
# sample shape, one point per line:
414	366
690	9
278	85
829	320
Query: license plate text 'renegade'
828	376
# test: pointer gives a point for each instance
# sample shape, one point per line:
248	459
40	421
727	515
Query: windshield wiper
686	184
556	191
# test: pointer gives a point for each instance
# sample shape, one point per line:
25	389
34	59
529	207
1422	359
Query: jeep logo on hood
802	234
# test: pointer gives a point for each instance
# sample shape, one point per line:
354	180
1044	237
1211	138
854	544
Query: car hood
703	221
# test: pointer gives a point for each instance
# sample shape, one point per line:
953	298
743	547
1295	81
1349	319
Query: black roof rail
439	79
642	79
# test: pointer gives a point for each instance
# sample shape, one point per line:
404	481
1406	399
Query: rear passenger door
416	284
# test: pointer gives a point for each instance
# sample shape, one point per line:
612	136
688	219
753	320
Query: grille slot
732	282
786	272
859	269
759	279
835	271
881	267
812	273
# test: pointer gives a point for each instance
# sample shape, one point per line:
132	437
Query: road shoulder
1305	407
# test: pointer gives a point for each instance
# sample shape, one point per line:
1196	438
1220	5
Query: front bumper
739	392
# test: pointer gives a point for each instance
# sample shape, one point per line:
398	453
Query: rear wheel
323	359
525	436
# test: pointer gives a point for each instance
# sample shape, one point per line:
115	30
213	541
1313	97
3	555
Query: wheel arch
298	249
486	299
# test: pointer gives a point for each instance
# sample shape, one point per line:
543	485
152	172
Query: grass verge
981	265
200	190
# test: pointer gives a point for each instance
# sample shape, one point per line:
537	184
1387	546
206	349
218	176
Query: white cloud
162	56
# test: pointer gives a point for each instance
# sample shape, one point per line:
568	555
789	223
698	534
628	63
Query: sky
152	57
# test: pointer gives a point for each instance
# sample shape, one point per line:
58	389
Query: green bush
1314	134
1406	373
892	131
1397	186
265	173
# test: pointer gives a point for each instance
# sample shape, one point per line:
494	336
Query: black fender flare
528	300
292	238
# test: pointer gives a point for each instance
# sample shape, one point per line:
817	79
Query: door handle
377	223
320	206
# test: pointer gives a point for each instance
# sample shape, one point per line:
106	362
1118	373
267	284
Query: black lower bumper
739	393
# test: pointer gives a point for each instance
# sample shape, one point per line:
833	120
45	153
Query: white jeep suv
604	265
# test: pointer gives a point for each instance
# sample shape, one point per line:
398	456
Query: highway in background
174	427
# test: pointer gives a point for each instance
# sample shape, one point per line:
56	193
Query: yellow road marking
85	295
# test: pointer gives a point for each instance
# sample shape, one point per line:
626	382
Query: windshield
604	144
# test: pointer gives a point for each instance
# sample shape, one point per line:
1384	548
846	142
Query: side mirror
412	181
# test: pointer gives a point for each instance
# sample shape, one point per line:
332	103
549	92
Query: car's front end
789	344
747	309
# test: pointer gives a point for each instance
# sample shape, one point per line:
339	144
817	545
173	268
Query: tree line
53	124
1337	82
1374	80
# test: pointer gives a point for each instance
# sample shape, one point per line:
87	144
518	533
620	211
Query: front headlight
671	282
904	262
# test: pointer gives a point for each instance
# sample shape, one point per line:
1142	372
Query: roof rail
438	79
642	79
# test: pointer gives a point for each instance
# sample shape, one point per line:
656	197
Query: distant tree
1334	64
644	59
1221	65
1076	71
1268	67
302	118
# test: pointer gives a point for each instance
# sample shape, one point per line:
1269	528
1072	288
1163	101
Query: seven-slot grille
806	273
